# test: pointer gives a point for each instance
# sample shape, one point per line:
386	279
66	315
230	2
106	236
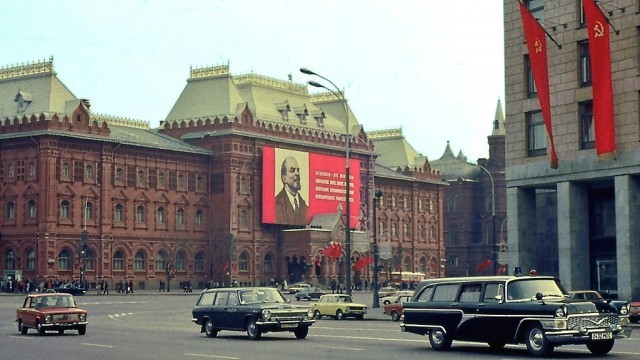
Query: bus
407	277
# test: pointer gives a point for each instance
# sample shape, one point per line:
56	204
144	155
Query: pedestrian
98	288
105	287
130	288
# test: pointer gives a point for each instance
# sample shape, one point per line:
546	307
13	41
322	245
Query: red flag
537	45
485	264
600	56
360	264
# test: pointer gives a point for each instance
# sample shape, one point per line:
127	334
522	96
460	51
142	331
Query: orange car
51	312
394	309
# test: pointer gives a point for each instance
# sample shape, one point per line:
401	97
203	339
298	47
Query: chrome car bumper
284	325
586	335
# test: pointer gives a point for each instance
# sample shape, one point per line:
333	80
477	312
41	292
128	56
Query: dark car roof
504	278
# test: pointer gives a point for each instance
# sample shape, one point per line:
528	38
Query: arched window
64	260
394	229
118	260
65	169
268	263
180	260
161	178
88	210
11	210
422	266
119	175
406	264
140	178
160	215
243	262
244	185
138	261
10	263
199	182
180	217
421	231
32	169
244	222
432	232
405	229
198	264
90	260
11	171
140	214
420	204
32	209
198	218
31	259
118	214
64	209
88	172
160	263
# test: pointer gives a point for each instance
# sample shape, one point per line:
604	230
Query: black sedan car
311	293
70	289
254	310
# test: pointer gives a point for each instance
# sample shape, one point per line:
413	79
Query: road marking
213	356
340	348
98	345
20	337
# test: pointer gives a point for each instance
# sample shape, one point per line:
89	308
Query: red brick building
185	201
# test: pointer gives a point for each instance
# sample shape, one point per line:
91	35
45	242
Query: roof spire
498	121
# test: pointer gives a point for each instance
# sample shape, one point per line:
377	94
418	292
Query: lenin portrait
291	208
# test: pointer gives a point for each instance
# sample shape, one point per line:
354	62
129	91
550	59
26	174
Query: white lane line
213	356
21	337
98	345
340	348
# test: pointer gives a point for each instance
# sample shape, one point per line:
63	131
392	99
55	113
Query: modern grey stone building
593	204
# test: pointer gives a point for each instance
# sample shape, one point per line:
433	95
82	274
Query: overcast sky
435	68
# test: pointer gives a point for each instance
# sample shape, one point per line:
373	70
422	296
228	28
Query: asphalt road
158	326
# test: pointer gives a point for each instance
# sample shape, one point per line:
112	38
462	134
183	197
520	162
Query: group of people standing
102	288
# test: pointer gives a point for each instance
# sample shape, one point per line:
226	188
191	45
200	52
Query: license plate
602	336
288	326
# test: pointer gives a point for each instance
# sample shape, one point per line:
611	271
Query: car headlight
561	311
48	318
624	310
310	313
82	316
266	314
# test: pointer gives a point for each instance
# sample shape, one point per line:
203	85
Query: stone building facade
593	204
184	201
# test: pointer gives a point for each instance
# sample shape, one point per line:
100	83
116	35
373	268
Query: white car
297	287
391	299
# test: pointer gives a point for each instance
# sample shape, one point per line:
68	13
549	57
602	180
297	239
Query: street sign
385	250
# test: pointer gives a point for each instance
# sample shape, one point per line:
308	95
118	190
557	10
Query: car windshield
54	301
261	296
526	289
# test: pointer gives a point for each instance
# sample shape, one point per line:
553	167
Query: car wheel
395	316
40	329
601	347
82	330
252	330
301	332
537	344
21	328
439	340
209	330
496	345
317	314
339	315
60	331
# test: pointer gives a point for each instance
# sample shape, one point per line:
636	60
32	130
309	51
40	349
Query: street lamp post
376	300
83	250
340	95
493	220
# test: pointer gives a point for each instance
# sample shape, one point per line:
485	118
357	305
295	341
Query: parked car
297	287
585	295
338	306
51	312
310	293
394	309
391	299
386	291
254	310
534	310
634	312
70	289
